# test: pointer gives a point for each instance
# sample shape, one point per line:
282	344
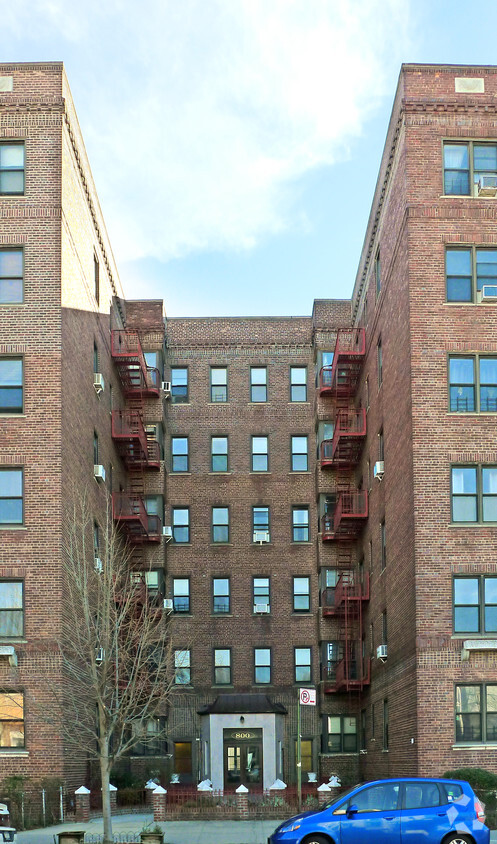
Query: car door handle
392	818
441	814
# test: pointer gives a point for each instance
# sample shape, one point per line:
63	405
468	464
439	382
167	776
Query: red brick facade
404	551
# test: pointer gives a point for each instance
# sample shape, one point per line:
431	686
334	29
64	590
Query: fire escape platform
344	450
341	378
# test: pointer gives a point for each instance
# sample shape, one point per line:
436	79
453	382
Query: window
373	721
262	665
11	719
465	164
467	270
385	724
300	524
260	524
181	524
181	594
11	277
219	384
11	385
219	454
421	795
95	448
384	628
305	755
342	734
383	545
151	738
182	668
183	759
179	385
377	798
475	604
476	713
302	657
261	593
381	445
379	355
220	524
473	384
11	608
222	666
474	493
363	730
298	383
220	595
377	273
11	497
300	461
96	280
260	461
11	169
179	454
95	358
155	434
258	383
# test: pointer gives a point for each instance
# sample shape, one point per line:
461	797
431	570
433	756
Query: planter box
152	837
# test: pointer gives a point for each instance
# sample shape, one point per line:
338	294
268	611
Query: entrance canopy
237	704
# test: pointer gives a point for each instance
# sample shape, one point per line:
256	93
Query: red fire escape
139	453
345	518
351	672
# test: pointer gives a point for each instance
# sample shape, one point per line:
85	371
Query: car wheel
317	839
456	838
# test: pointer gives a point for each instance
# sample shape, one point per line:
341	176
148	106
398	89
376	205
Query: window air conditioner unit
167	532
487	186
382	652
166	388
379	469
99	472
261	609
98	382
261	536
488	293
168	604
99	567
99	655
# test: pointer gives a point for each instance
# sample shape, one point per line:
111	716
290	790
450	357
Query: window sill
179	403
222	615
223	686
182	614
5	753
220	473
490	413
13	304
221	544
261	544
174	544
175	474
472	524
300	472
13	527
262	472
484	636
302	542
258	403
305	613
12	415
216	403
334	755
306	402
472	744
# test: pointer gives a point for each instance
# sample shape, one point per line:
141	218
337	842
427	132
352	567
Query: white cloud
200	115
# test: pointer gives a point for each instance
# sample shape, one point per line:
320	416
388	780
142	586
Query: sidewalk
176	832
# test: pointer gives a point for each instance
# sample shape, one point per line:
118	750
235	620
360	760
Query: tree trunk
105	776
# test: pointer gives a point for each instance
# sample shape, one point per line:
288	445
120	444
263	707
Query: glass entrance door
242	759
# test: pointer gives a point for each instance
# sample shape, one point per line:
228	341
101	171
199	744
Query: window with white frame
258	383
11	385
474	493
300	459
181	594
11	276
182	668
260	458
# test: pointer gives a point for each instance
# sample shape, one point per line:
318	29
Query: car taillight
480	811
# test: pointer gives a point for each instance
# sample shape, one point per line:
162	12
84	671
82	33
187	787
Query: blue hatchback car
394	811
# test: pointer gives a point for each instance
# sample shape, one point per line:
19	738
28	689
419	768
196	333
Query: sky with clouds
235	144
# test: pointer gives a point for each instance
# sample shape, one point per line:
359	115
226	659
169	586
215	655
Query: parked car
394	811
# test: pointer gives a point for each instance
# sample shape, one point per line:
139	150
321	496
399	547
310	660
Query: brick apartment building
314	497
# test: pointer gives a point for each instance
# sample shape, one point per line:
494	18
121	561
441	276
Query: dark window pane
219	463
468	727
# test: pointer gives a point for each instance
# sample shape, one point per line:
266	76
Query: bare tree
115	650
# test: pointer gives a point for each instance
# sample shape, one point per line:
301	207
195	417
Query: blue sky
235	144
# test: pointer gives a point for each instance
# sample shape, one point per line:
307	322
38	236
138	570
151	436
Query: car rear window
451	791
